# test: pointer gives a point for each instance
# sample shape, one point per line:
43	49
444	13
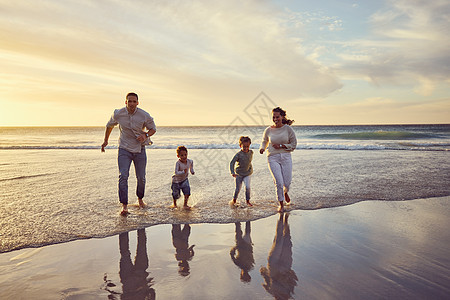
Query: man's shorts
183	186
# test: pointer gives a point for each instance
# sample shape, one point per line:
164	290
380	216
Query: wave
25	177
377	135
398	147
42	147
423	146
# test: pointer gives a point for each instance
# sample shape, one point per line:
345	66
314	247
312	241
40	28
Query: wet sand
367	250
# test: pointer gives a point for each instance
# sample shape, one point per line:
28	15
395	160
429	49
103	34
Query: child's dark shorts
183	186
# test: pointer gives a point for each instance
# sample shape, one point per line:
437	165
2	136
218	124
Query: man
132	140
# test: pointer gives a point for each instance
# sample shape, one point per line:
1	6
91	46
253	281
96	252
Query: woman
281	141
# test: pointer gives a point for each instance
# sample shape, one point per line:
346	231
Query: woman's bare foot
281	207
287	198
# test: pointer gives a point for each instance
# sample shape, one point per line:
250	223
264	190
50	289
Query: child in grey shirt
243	170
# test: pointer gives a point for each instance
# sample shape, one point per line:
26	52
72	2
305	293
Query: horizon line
294	125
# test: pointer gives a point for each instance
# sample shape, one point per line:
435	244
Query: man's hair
244	139
181	148
132	94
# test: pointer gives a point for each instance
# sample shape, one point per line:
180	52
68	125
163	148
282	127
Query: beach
368	218
72	194
367	250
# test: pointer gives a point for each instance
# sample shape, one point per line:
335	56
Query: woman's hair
283	114
181	148
244	139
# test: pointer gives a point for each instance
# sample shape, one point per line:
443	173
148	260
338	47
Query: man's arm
141	138
107	134
151	132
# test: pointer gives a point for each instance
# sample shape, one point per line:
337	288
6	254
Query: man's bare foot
173	206
249	204
142	204
124	211
232	203
186	207
287	198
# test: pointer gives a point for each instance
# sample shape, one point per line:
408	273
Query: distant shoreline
205	126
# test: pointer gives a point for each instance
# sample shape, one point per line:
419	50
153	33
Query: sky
326	62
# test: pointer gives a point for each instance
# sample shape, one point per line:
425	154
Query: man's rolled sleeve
112	122
150	124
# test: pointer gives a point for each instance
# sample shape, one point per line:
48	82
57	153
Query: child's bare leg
174	203
186	198
175	195
141	203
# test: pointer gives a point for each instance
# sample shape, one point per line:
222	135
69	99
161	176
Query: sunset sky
70	63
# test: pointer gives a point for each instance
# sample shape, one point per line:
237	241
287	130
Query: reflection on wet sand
242	253
280	279
135	284
183	253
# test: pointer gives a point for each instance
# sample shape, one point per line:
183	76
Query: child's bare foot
287	198
185	204
142	203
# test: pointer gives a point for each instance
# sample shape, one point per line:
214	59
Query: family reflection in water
242	253
183	252
280	279
134	277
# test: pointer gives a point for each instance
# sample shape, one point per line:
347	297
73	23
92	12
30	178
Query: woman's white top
283	135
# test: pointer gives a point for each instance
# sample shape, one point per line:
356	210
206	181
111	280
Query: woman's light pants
280	166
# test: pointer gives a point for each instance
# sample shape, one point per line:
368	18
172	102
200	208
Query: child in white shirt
180	180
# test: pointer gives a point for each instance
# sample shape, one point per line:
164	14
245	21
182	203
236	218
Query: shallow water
357	137
54	196
369	250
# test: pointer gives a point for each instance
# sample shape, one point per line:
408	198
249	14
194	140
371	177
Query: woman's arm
265	141
292	142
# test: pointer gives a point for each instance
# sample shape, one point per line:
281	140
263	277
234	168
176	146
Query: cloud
181	45
408	45
374	110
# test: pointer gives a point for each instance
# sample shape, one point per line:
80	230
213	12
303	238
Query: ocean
56	185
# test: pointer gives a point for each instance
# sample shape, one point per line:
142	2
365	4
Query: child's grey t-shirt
244	163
